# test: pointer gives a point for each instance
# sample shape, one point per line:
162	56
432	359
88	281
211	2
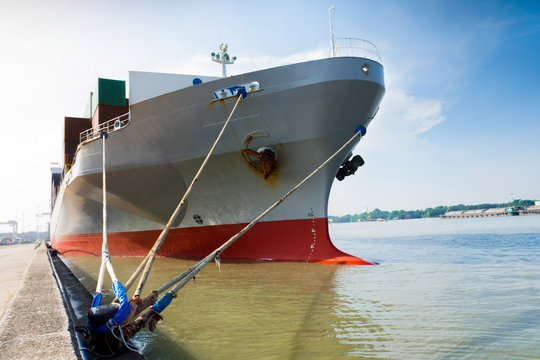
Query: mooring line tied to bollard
120	311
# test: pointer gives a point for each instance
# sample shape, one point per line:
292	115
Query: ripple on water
450	292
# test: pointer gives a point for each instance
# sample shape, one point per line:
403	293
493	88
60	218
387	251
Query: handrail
356	47
110	126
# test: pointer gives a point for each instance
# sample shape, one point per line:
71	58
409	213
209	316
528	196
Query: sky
459	123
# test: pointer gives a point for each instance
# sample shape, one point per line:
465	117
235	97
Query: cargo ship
293	118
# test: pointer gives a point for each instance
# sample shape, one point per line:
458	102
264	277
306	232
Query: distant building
537	203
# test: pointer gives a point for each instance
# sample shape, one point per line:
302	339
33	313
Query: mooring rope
190	273
118	289
149	259
105	258
137	272
121	338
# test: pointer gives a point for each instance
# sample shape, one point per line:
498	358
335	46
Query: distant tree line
426	213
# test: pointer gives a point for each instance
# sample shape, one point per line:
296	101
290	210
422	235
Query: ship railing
110	126
357	48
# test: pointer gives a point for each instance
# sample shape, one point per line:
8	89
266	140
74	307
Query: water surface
457	288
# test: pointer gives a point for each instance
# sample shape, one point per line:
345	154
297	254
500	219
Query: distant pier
511	211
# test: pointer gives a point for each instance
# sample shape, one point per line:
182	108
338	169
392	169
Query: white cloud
201	64
401	119
397	157
419	114
261	62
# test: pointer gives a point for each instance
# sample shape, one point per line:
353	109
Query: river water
444	289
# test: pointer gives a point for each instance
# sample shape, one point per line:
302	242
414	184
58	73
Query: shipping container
107	92
105	113
73	126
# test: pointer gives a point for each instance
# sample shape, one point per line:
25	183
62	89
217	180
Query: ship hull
287	240
305	112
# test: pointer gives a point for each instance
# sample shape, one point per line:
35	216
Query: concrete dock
42	302
34	324
13	262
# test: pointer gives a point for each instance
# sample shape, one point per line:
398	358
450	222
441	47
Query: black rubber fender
101	314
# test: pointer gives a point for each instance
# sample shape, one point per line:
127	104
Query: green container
111	92
108	92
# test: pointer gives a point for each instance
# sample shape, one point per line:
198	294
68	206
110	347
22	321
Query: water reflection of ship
290	310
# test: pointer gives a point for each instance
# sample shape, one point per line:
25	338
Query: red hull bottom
286	240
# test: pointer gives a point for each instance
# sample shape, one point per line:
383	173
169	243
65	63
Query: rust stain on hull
265	161
262	161
211	104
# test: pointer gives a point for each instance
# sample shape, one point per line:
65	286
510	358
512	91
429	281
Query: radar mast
223	58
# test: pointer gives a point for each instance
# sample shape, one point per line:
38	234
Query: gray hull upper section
305	112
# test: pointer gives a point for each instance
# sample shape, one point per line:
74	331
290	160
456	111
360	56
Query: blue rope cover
120	315
162	303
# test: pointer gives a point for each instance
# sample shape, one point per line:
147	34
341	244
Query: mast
223	58
330	15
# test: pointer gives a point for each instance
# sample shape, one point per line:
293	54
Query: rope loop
127	344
